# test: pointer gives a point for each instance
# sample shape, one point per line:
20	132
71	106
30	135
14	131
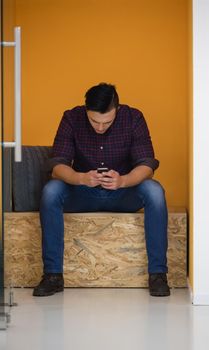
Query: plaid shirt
125	145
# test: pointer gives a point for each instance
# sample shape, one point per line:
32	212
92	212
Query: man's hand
111	180
92	178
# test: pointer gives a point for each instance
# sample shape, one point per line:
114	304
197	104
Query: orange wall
140	46
8	68
190	204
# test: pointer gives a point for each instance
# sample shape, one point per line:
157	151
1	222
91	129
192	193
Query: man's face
101	121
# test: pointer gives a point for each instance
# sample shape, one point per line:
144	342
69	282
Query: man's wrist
81	178
123	181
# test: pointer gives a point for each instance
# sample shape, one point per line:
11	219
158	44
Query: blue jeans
58	196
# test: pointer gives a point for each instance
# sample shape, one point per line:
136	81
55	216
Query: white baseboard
198	299
201	300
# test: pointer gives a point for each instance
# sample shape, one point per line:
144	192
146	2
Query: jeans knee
153	191
52	192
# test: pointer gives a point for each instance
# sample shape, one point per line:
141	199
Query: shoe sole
158	294
58	290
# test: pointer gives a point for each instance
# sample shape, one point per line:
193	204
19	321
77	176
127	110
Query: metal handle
17	95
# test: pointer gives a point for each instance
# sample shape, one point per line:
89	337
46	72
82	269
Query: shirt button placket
102	163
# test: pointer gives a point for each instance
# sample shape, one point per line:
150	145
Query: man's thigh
88	199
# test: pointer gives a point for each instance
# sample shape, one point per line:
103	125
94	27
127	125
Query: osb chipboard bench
101	249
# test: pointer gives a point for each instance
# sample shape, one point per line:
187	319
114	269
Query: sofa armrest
8	154
29	177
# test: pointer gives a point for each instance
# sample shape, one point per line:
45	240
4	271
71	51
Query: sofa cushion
29	177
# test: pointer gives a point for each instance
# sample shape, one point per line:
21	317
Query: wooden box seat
101	249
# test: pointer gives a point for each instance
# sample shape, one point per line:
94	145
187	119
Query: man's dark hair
101	98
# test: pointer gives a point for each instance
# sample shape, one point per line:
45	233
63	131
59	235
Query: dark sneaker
50	284
158	285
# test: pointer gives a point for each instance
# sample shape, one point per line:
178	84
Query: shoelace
157	276
48	278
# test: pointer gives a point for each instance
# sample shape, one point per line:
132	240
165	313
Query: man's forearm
70	176
67	174
137	175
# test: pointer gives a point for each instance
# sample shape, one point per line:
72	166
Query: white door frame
200	152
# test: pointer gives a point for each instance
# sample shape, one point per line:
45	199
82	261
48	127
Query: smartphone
102	170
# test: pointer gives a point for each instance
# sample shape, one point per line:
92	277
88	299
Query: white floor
106	319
